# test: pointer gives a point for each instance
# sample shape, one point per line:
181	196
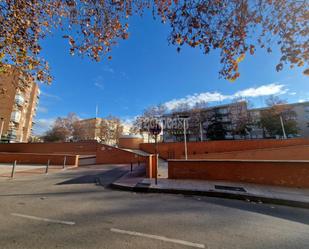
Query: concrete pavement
40	212
135	181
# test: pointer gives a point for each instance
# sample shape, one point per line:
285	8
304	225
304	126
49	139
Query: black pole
47	166
156	153
13	168
131	166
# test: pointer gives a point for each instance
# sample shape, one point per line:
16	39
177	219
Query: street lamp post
283	129
155	130
1	127
185	117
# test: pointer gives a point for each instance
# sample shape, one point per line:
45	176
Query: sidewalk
135	181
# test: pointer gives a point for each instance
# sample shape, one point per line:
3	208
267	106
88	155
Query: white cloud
191	100
42	125
253	92
108	69
42	109
265	90
48	95
98	82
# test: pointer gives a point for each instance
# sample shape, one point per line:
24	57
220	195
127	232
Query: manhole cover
240	189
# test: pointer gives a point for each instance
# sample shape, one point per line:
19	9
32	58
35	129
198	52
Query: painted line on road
163	238
44	219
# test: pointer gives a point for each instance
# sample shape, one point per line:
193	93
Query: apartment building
300	115
199	121
90	129
18	105
231	118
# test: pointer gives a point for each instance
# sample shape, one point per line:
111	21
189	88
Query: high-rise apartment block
18	103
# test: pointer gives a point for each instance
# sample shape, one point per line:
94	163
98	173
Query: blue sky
146	71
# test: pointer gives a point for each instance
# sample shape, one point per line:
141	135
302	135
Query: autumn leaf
240	58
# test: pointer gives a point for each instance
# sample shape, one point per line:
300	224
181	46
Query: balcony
19	99
15	116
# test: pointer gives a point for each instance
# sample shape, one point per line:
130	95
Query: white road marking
177	241
44	219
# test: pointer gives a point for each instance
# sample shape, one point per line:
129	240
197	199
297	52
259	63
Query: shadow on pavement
103	179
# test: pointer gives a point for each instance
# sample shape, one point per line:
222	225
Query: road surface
70	210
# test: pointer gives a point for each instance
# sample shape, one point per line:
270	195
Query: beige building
301	117
102	130
89	129
17	106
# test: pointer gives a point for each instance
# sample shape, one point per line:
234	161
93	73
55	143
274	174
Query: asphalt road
69	210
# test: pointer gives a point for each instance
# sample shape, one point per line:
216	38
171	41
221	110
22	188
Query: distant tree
216	129
110	130
34	139
56	134
181	107
142	123
82	131
271	118
62	129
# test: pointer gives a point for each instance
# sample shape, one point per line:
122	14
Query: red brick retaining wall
267	172
79	148
299	152
176	150
112	155
32	158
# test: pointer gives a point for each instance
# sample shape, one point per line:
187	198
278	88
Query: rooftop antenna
96	111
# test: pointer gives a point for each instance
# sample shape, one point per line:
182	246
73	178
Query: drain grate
143	184
221	187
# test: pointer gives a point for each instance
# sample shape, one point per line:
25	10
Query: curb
235	196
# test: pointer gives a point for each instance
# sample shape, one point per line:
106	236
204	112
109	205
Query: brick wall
130	143
282	173
80	148
176	150
32	158
111	155
298	152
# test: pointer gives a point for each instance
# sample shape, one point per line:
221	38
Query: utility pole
185	138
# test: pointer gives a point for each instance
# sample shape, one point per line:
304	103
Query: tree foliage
216	129
110	130
92	28
63	129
